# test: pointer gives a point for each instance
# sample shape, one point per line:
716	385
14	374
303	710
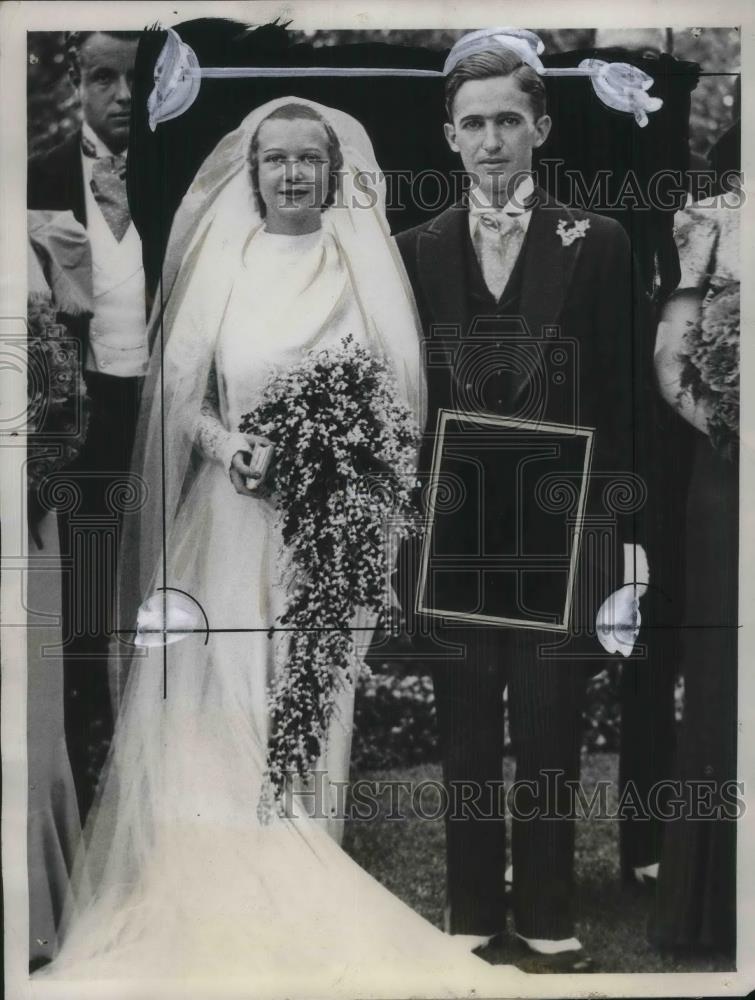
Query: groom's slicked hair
295	112
498	62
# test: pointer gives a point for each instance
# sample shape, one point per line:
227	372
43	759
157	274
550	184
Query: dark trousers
545	703
648	737
648	725
97	487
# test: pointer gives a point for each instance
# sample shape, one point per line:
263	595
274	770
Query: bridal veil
169	779
217	216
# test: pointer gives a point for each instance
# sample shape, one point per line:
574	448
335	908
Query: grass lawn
408	857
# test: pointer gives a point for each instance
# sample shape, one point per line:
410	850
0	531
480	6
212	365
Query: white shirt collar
514	206
91	136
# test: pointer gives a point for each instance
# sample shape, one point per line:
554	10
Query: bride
280	246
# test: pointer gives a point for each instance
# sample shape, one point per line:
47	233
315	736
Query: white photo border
19	16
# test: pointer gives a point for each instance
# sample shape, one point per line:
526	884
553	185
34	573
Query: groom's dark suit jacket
584	295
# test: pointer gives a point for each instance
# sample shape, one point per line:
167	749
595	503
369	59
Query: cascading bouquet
342	479
710	371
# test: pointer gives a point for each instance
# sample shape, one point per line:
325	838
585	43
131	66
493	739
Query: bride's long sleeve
211	436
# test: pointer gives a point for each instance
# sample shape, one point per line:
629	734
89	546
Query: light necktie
499	238
108	186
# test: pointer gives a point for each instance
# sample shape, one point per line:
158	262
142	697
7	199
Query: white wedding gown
184	885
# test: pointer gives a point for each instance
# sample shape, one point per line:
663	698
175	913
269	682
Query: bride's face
293	172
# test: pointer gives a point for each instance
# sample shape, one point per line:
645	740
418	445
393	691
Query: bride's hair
295	112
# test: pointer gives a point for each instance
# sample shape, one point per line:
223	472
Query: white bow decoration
178	75
525	43
623	87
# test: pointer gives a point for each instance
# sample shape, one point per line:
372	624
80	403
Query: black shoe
576	961
497	951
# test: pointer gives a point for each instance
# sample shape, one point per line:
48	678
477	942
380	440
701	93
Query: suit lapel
548	264
77	181
547	267
442	271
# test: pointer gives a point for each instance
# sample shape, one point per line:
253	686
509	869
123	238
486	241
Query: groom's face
494	129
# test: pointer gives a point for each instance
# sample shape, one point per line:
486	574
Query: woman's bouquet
56	411
342	480
710	371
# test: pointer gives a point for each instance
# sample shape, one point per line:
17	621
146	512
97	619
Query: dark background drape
404	117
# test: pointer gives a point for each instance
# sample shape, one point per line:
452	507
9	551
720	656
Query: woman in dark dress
59	288
696	905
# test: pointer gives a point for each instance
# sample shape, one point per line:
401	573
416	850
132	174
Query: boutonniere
575	232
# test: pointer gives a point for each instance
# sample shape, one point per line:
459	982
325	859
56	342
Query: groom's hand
619	619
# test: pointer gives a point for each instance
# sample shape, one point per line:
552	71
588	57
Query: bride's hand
240	473
248	480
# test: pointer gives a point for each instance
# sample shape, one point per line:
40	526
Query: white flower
337	547
577	231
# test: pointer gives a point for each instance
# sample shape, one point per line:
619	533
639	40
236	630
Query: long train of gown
181	883
194	888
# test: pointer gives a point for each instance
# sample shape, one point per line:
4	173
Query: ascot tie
498	241
108	186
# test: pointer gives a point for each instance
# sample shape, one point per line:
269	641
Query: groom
509	250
